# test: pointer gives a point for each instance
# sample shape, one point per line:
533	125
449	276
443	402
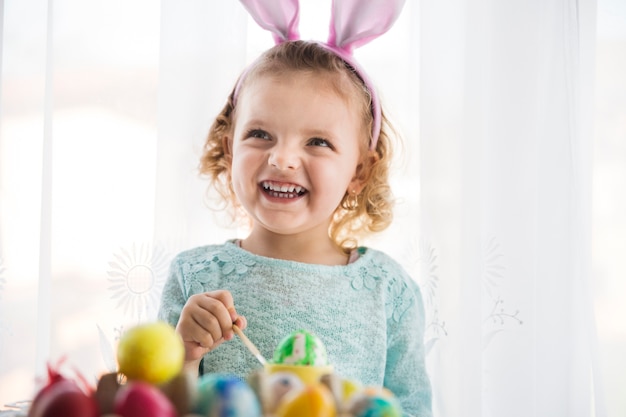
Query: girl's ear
227	146
363	172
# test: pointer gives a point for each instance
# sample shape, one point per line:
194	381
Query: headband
353	23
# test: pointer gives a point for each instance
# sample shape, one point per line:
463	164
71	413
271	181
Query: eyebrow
310	132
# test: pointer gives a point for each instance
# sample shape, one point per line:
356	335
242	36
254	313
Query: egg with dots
278	385
303	354
226	395
374	401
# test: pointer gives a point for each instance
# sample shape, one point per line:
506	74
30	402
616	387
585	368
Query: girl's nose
284	158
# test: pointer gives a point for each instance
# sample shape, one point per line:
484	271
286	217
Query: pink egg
142	399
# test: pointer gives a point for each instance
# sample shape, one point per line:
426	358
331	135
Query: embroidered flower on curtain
107	351
492	273
425	260
420	259
137	276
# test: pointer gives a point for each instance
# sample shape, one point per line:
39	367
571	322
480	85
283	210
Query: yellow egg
311	401
151	352
349	387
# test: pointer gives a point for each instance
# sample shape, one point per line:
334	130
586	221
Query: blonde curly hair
356	216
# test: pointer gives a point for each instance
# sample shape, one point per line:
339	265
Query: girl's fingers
212	315
241	322
223	296
208	318
191	328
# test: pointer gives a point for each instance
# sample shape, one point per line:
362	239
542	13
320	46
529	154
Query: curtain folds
103	111
505	202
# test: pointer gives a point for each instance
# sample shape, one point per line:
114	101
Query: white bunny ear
277	16
356	22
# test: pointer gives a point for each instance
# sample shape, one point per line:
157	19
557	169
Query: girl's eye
258	134
319	142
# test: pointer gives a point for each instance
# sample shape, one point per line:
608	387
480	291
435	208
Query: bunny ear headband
353	23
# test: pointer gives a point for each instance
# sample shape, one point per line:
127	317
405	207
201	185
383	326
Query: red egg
63	397
72	404
142	399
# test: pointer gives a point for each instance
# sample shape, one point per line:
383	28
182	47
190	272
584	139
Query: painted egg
151	352
280	384
374	402
222	395
349	388
301	348
311	401
139	398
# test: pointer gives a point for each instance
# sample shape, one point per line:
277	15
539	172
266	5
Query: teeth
282	191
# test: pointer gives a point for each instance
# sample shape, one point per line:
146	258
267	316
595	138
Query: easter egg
64	400
139	398
181	391
107	388
301	348
311	401
226	395
151	352
374	402
306	374
349	388
280	384
62	396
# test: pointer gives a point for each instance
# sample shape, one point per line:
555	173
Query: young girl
297	148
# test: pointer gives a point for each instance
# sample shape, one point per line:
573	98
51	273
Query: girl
298	149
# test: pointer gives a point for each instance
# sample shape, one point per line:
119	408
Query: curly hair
356	216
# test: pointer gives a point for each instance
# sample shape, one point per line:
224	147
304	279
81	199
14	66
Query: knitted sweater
369	314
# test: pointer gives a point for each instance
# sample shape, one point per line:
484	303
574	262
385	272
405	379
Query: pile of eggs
151	382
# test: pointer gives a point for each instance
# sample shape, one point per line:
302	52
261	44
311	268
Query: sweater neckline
355	255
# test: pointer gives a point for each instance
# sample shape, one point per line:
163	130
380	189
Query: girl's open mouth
282	190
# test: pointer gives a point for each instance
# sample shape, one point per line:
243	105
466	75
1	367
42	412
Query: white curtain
104	106
505	142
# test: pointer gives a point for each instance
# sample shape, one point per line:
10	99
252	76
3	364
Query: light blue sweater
369	314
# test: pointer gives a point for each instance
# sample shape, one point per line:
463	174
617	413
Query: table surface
17	409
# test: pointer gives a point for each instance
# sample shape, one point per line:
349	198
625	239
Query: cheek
339	178
244	168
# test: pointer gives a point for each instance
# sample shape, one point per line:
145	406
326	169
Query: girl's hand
205	322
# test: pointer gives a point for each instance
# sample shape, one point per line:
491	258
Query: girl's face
295	149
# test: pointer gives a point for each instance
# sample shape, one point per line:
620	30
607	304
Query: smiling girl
299	149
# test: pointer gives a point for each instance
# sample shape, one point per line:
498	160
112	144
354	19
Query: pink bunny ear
356	22
277	16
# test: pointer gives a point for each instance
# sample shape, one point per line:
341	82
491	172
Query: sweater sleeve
405	372
173	296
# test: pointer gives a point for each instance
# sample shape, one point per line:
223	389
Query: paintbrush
249	344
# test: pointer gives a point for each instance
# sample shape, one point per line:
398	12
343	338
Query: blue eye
319	142
258	134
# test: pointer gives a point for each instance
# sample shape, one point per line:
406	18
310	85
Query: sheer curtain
505	144
104	107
